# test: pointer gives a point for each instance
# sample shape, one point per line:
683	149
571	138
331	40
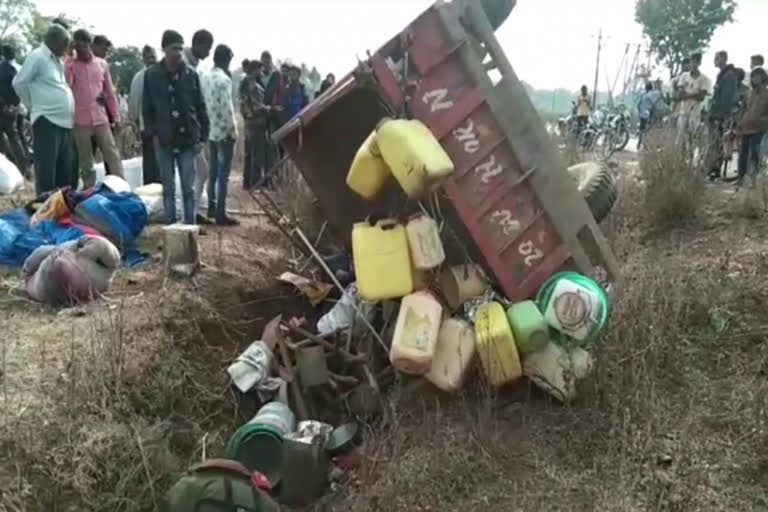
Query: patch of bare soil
103	412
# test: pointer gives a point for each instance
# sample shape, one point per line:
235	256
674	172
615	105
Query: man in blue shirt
295	98
650	109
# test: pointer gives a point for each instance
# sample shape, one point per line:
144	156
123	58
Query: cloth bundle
71	272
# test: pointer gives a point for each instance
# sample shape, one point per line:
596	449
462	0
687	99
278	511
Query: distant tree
39	24
15	17
124	63
679	28
15	20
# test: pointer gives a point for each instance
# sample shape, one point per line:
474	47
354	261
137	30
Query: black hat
171	37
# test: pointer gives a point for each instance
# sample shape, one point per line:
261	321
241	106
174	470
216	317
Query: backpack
218	485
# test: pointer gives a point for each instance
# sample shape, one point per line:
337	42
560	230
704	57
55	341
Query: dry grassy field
102	408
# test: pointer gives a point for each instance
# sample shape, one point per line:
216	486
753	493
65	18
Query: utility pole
597	67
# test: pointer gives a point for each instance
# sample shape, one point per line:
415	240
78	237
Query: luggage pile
449	313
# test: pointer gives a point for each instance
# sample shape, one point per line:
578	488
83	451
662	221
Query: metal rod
274	219
332	276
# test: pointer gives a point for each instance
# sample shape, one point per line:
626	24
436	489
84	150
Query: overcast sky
550	43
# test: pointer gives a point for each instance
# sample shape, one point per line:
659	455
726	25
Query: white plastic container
424	242
453	355
573	310
557	371
133	172
461	283
277	416
416	331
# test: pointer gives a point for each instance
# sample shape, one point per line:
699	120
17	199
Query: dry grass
674	184
104	411
673	419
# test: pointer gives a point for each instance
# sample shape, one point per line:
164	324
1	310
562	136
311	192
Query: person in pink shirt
95	104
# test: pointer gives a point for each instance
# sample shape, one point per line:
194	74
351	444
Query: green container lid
259	448
544	297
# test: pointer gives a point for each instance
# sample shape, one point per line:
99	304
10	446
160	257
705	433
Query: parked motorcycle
594	135
620	122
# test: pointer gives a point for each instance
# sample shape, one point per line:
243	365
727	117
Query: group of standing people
736	115
734	111
66	86
268	99
186	118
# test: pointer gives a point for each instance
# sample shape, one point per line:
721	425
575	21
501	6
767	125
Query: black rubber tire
595	182
623	137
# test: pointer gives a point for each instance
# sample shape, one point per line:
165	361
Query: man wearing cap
175	117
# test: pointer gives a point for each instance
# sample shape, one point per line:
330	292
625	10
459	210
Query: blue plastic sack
119	217
18	240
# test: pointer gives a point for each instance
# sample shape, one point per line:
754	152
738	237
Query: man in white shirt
42	87
693	88
202	42
221	112
674	90
149	164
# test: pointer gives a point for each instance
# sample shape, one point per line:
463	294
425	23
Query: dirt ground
102	409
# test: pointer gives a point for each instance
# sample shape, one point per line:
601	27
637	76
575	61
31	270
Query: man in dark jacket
723	102
295	97
753	125
9	111
176	118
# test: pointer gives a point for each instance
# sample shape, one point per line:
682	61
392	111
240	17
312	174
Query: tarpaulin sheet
18	240
119	217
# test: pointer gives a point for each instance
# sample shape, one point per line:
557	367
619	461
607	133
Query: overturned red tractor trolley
510	203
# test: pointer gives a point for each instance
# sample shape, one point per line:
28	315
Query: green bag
218	485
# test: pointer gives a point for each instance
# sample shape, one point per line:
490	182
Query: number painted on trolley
467	136
489	169
531	253
437	100
509	224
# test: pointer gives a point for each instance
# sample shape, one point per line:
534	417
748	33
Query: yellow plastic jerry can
496	345
413	154
368	172
382	260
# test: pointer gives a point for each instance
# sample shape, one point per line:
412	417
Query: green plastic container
529	326
598	317
259	448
